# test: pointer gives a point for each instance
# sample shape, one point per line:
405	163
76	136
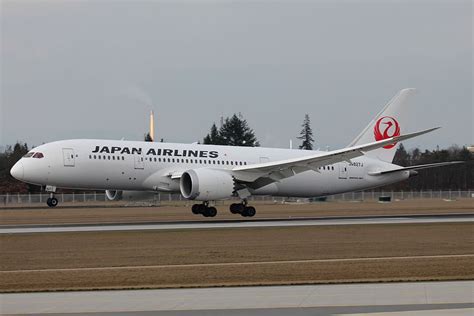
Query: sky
94	69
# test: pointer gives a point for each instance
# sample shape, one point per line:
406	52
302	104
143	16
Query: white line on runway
194	265
245	224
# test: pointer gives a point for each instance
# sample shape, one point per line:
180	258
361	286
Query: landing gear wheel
211	212
52	202
204	209
197	209
236	208
249	211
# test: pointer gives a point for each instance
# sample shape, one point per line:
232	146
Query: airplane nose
17	171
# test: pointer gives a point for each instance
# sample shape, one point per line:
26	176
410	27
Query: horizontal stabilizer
419	167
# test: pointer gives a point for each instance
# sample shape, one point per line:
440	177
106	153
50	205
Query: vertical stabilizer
390	122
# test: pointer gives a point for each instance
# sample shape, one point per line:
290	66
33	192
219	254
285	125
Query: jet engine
113	195
206	185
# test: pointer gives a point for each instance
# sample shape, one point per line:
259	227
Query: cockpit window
38	155
28	155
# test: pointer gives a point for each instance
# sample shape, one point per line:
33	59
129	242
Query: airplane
208	173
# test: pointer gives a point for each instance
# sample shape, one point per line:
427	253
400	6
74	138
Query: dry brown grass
174	213
159	259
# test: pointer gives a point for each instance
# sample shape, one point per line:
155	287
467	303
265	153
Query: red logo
390	128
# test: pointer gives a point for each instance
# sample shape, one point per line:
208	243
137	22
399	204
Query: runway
422	298
321	221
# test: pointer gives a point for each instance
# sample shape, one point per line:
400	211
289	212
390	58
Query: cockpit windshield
38	155
34	155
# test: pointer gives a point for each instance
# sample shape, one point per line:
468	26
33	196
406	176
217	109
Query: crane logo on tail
386	127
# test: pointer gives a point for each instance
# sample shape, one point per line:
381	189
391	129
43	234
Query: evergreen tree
306	134
234	132
213	138
402	157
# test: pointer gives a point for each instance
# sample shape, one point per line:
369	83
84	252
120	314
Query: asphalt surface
321	221
422	298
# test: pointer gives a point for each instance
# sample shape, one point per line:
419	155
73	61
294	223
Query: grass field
238	256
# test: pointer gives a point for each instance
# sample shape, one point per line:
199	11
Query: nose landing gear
51	201
204	210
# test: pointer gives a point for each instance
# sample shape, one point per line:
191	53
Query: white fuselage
146	166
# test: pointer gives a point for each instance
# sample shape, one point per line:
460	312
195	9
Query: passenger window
108	157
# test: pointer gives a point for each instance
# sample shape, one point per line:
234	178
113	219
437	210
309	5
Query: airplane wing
419	167
277	170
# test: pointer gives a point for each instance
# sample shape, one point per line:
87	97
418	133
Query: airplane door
68	157
139	162
342	171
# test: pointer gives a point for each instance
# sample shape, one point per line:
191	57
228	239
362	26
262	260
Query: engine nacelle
113	195
206	185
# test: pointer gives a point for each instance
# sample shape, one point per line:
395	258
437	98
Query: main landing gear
204	209
243	209
236	208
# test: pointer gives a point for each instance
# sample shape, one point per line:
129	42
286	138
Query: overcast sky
94	69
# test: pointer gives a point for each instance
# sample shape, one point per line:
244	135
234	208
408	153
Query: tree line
456	177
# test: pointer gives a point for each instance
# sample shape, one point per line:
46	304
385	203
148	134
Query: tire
54	202
237	208
48	202
211	211
249	211
196	209
234	208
